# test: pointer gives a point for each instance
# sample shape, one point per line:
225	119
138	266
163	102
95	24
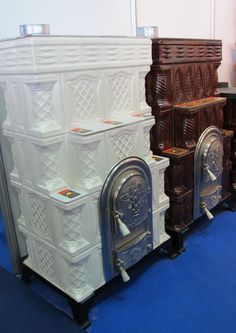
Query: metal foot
80	312
177	244
26	274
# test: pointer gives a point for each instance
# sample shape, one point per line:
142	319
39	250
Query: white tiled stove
75	106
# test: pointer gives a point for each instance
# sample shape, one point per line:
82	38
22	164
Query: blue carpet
5	260
22	311
193	293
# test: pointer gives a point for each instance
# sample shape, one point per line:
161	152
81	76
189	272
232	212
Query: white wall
176	18
67	17
225	29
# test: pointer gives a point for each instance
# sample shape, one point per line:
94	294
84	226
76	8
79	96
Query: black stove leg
177	242
232	202
26	274
80	312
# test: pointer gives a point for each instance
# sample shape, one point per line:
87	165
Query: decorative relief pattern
221	118
166	51
123	145
15	171
141	86
21	204
8	59
84	98
49	165
215	78
161	88
46	55
203	118
45	261
110	53
188	129
15	90
162	133
213	160
199	84
147	151
42	99
38	214
91	53
176	53
88	157
162	195
72	226
178	87
178	174
79	275
208	80
162	225
120	91
180	51
43	105
4	97
189	85
81	52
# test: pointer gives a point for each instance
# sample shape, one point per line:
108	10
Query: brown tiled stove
188	129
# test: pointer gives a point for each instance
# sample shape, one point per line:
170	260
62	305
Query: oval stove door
208	171
126	214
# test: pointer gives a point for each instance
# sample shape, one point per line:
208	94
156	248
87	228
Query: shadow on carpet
22	311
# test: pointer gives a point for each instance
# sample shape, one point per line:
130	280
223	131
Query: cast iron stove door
208	172
126	215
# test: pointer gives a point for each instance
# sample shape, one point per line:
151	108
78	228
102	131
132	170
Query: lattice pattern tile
42	106
84	99
49	165
120	90
123	145
79	275
38	214
45	260
89	160
72	226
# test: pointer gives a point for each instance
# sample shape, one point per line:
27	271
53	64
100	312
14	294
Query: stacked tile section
75	106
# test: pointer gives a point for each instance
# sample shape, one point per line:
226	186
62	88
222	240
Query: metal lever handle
122	271
206	211
122	226
210	173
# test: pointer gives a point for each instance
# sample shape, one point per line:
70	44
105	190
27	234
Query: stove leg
80	312
177	243
232	202
26	274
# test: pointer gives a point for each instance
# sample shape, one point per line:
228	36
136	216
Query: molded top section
182	50
186	41
48	54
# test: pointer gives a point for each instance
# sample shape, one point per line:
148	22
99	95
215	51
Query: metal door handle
206	211
122	226
125	276
210	173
